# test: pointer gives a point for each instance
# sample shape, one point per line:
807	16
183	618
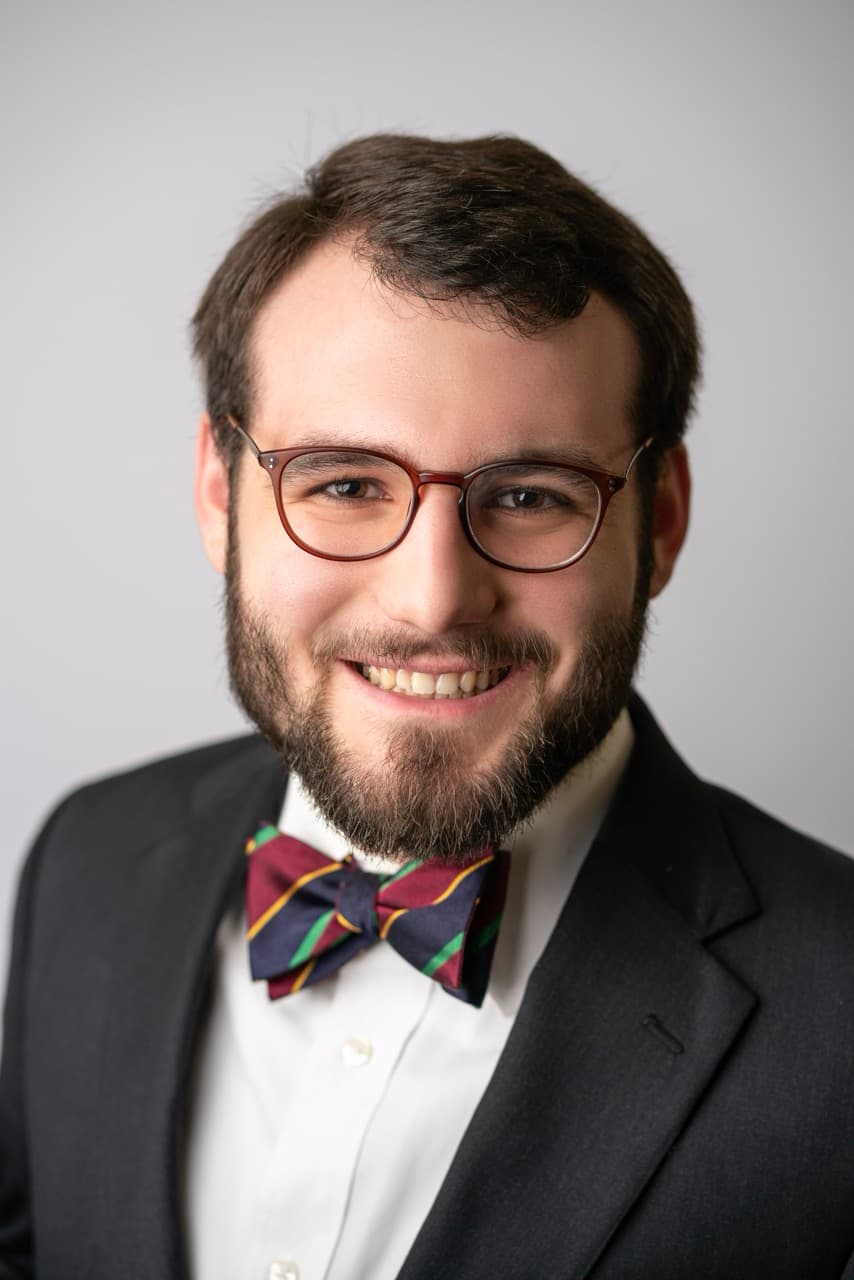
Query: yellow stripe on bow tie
276	907
446	893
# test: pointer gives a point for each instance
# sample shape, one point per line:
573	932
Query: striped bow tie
309	914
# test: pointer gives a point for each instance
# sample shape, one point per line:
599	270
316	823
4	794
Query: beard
422	801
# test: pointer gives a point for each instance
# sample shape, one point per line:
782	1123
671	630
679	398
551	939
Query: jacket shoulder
152	799
774	853
714	856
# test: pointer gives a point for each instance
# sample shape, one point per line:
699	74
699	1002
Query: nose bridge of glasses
453	479
450	479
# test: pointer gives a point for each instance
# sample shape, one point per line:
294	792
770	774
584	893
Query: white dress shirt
323	1124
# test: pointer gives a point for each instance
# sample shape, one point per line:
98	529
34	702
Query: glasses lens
533	517
345	503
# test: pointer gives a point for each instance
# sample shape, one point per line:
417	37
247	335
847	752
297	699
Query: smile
442	684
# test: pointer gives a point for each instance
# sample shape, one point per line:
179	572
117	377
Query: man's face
342	361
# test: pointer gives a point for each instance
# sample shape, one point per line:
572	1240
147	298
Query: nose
435	580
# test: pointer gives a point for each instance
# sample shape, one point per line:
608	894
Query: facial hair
422	801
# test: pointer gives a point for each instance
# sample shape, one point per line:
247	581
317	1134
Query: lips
435	685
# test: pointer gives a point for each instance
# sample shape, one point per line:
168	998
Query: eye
525	499
351	489
341	478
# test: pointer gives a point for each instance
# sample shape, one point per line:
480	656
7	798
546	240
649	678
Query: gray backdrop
137	138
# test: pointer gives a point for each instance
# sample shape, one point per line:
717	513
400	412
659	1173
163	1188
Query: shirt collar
548	852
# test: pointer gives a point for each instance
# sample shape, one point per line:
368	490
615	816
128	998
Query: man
441	469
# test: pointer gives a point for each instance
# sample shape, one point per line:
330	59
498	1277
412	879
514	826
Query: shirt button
285	1269
356	1052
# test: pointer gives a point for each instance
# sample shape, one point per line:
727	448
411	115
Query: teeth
421	684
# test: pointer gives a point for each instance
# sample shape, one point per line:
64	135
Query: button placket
377	1001
283	1269
356	1052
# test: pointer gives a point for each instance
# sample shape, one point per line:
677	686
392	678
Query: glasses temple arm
248	439
637	453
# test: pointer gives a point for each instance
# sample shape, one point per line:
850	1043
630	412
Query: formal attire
322	1126
673	1098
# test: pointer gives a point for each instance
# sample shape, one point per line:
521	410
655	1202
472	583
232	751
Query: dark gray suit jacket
676	1099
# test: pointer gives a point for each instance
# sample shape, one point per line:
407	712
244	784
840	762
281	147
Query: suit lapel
173	896
626	1018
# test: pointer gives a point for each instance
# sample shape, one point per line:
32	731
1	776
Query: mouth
433	685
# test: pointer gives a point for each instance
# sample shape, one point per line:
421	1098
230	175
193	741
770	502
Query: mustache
478	648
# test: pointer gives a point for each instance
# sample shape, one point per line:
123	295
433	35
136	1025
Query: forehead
338	355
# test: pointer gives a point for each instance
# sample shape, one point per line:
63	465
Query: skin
339	359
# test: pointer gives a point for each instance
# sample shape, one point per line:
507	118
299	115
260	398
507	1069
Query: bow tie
309	914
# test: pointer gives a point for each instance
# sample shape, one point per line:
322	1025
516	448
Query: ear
211	492
670	515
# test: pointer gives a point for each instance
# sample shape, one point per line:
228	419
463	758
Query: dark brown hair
491	222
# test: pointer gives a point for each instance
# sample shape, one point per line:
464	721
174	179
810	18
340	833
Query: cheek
596	588
610	569
575	605
298	594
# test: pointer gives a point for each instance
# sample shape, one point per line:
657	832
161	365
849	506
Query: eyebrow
569	455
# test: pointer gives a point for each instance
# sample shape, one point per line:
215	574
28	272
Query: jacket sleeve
16	1240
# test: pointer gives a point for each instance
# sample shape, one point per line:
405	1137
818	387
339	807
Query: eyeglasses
354	504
